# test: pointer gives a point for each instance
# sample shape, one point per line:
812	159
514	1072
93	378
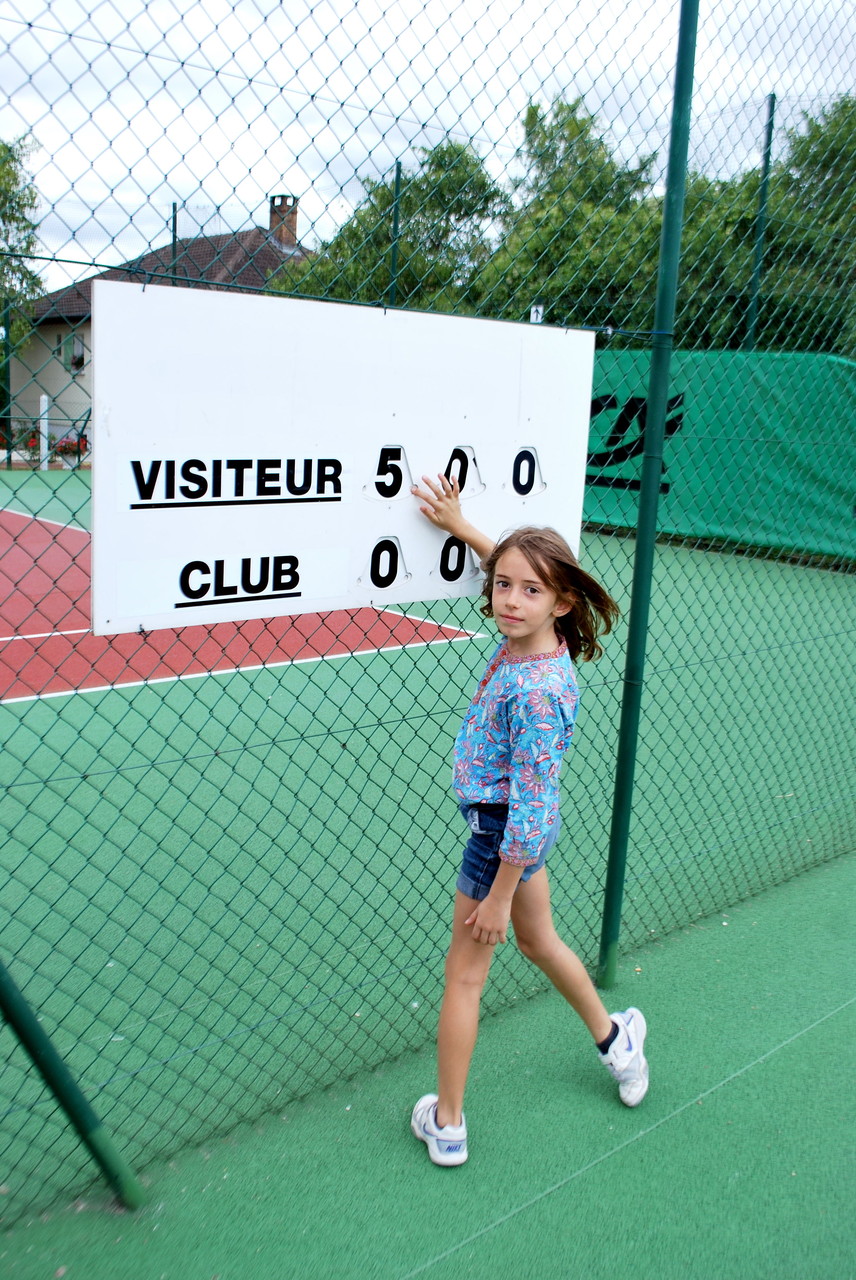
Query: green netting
228	851
755	452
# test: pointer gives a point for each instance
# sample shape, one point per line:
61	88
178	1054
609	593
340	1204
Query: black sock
603	1046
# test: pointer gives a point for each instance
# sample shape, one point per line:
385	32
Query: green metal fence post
59	1080
6	382
174	256
393	265
652	466
760	228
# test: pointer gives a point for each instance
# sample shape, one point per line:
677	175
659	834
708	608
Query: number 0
380	576
463	462
523	475
453	559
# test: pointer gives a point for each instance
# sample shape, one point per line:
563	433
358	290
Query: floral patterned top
509	749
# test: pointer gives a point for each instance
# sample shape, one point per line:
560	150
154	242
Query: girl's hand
490	921
441	503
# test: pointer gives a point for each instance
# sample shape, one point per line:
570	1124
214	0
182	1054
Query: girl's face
524	607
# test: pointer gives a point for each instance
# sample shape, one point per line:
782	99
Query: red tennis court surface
46	646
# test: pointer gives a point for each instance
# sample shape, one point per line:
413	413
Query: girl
506	766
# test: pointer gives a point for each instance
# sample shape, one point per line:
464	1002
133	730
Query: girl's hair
593	611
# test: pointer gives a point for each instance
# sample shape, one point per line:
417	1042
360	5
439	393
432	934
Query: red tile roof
242	260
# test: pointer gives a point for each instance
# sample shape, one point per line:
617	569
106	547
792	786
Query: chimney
283	220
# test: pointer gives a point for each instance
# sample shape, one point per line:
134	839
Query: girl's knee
539	948
465	984
468	967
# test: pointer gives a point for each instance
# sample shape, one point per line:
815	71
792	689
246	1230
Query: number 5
388	466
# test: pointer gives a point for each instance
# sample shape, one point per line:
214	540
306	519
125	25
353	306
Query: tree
821	163
19	283
565	158
806	300
582	235
815	262
579	232
445	210
716	261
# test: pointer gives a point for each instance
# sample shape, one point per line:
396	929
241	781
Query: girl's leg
467	966
536	937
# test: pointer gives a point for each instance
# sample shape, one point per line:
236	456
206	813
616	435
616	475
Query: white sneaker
447	1146
625	1060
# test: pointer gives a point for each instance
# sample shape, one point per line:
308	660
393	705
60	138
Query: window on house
76	352
70	350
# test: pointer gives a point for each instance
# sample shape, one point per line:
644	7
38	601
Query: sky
219	104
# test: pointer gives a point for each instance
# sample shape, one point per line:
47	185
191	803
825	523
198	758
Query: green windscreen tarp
760	448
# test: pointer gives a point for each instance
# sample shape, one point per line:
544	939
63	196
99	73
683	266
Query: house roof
242	261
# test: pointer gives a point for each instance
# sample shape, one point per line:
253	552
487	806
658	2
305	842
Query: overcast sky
223	103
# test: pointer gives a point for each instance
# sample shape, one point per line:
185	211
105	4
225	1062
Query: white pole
44	432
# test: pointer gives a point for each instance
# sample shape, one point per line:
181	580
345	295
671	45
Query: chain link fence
229	849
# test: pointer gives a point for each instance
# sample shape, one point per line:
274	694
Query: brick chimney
283	220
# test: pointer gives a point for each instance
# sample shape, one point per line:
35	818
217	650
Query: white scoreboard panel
254	455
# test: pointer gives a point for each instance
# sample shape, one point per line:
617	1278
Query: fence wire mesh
229	849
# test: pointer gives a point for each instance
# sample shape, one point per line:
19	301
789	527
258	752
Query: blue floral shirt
509	749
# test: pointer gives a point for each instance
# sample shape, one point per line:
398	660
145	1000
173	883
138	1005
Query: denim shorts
481	852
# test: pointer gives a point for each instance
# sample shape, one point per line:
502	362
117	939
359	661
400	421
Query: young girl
506	771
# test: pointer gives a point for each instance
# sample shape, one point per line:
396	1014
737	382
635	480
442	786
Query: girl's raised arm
441	504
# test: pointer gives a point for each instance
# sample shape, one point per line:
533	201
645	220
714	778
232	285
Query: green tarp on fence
760	449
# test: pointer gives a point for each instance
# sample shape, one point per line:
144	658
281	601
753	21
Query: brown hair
593	611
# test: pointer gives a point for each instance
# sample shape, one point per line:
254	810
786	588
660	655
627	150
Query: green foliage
716	261
821	164
19	284
445	209
578	231
582	237
587	265
806	298
817	236
567	160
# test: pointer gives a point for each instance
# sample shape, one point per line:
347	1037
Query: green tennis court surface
226	892
738	1163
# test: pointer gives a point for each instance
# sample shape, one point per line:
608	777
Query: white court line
622	1146
231	671
84	631
28	515
43	635
136	684
448	626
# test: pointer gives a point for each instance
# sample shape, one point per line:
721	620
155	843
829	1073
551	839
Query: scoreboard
254	455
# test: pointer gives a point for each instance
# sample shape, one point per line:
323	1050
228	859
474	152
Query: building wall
40	368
